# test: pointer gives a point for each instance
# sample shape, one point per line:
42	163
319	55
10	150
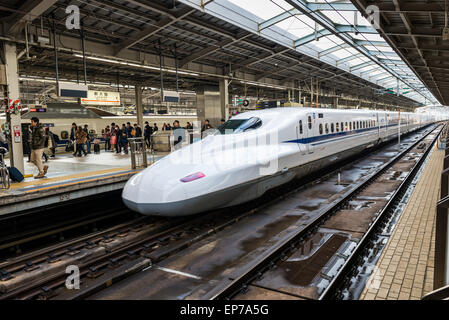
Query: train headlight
193	176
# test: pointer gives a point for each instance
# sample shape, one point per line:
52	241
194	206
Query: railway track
123	251
340	277
216	268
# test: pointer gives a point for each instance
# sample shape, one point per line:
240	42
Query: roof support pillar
14	120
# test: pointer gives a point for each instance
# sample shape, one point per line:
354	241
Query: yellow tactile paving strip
66	178
406	266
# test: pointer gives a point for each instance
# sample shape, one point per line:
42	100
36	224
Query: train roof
295	110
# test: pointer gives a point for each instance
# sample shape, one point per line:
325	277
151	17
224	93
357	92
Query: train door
309	131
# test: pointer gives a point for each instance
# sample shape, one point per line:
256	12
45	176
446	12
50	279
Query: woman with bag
113	138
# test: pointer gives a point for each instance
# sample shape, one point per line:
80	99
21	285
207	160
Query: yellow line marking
77	182
67	177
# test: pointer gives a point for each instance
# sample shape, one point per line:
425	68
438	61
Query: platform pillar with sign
13	108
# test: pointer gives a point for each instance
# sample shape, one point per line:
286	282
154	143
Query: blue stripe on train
348	134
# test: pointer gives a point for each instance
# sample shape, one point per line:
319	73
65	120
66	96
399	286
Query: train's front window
239	125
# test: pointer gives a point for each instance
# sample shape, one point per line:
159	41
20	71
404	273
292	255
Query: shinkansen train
256	151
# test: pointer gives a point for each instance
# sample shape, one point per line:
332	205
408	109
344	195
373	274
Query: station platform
405	268
68	178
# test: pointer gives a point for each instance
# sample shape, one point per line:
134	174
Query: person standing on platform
51	144
72	137
206	126
118	132
124	140
155	128
37	147
27	142
147	132
138	131
129	130
81	138
107	138
178	134
124	132
86	130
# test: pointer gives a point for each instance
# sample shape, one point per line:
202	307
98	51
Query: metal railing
138	150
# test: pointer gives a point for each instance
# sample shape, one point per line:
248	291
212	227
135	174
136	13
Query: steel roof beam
361	66
408	6
337	29
27	12
384	53
349	58
147	32
362	74
372	43
329	25
211	49
276	19
324	6
393	62
333	49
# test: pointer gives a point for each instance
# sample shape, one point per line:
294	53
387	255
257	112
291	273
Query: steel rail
350	264
228	290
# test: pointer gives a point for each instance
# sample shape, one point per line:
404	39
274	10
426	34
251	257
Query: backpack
15	174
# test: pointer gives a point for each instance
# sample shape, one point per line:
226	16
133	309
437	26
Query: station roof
414	29
216	39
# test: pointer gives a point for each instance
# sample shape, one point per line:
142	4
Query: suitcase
96	148
15	174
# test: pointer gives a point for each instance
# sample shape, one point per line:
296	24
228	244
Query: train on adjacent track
259	150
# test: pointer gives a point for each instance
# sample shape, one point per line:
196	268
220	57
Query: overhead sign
171	96
72	90
102	98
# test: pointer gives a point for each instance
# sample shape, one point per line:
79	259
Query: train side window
350	126
346	126
321	128
326	127
353	125
359	124
310	122
337	127
300	126
342	127
332	127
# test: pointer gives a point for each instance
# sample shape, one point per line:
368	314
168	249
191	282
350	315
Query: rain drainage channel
368	267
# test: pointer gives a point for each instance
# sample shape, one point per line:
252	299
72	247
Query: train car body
257	151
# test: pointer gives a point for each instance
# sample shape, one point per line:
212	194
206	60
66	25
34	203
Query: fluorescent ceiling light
136	65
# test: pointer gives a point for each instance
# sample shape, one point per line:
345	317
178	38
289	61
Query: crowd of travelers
40	143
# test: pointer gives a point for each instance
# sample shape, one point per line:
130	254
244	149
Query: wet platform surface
406	266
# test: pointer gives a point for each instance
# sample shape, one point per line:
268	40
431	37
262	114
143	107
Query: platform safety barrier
138	153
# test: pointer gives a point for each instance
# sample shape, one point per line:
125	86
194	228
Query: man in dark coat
37	147
147	132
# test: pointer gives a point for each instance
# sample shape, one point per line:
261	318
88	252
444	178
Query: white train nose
149	191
